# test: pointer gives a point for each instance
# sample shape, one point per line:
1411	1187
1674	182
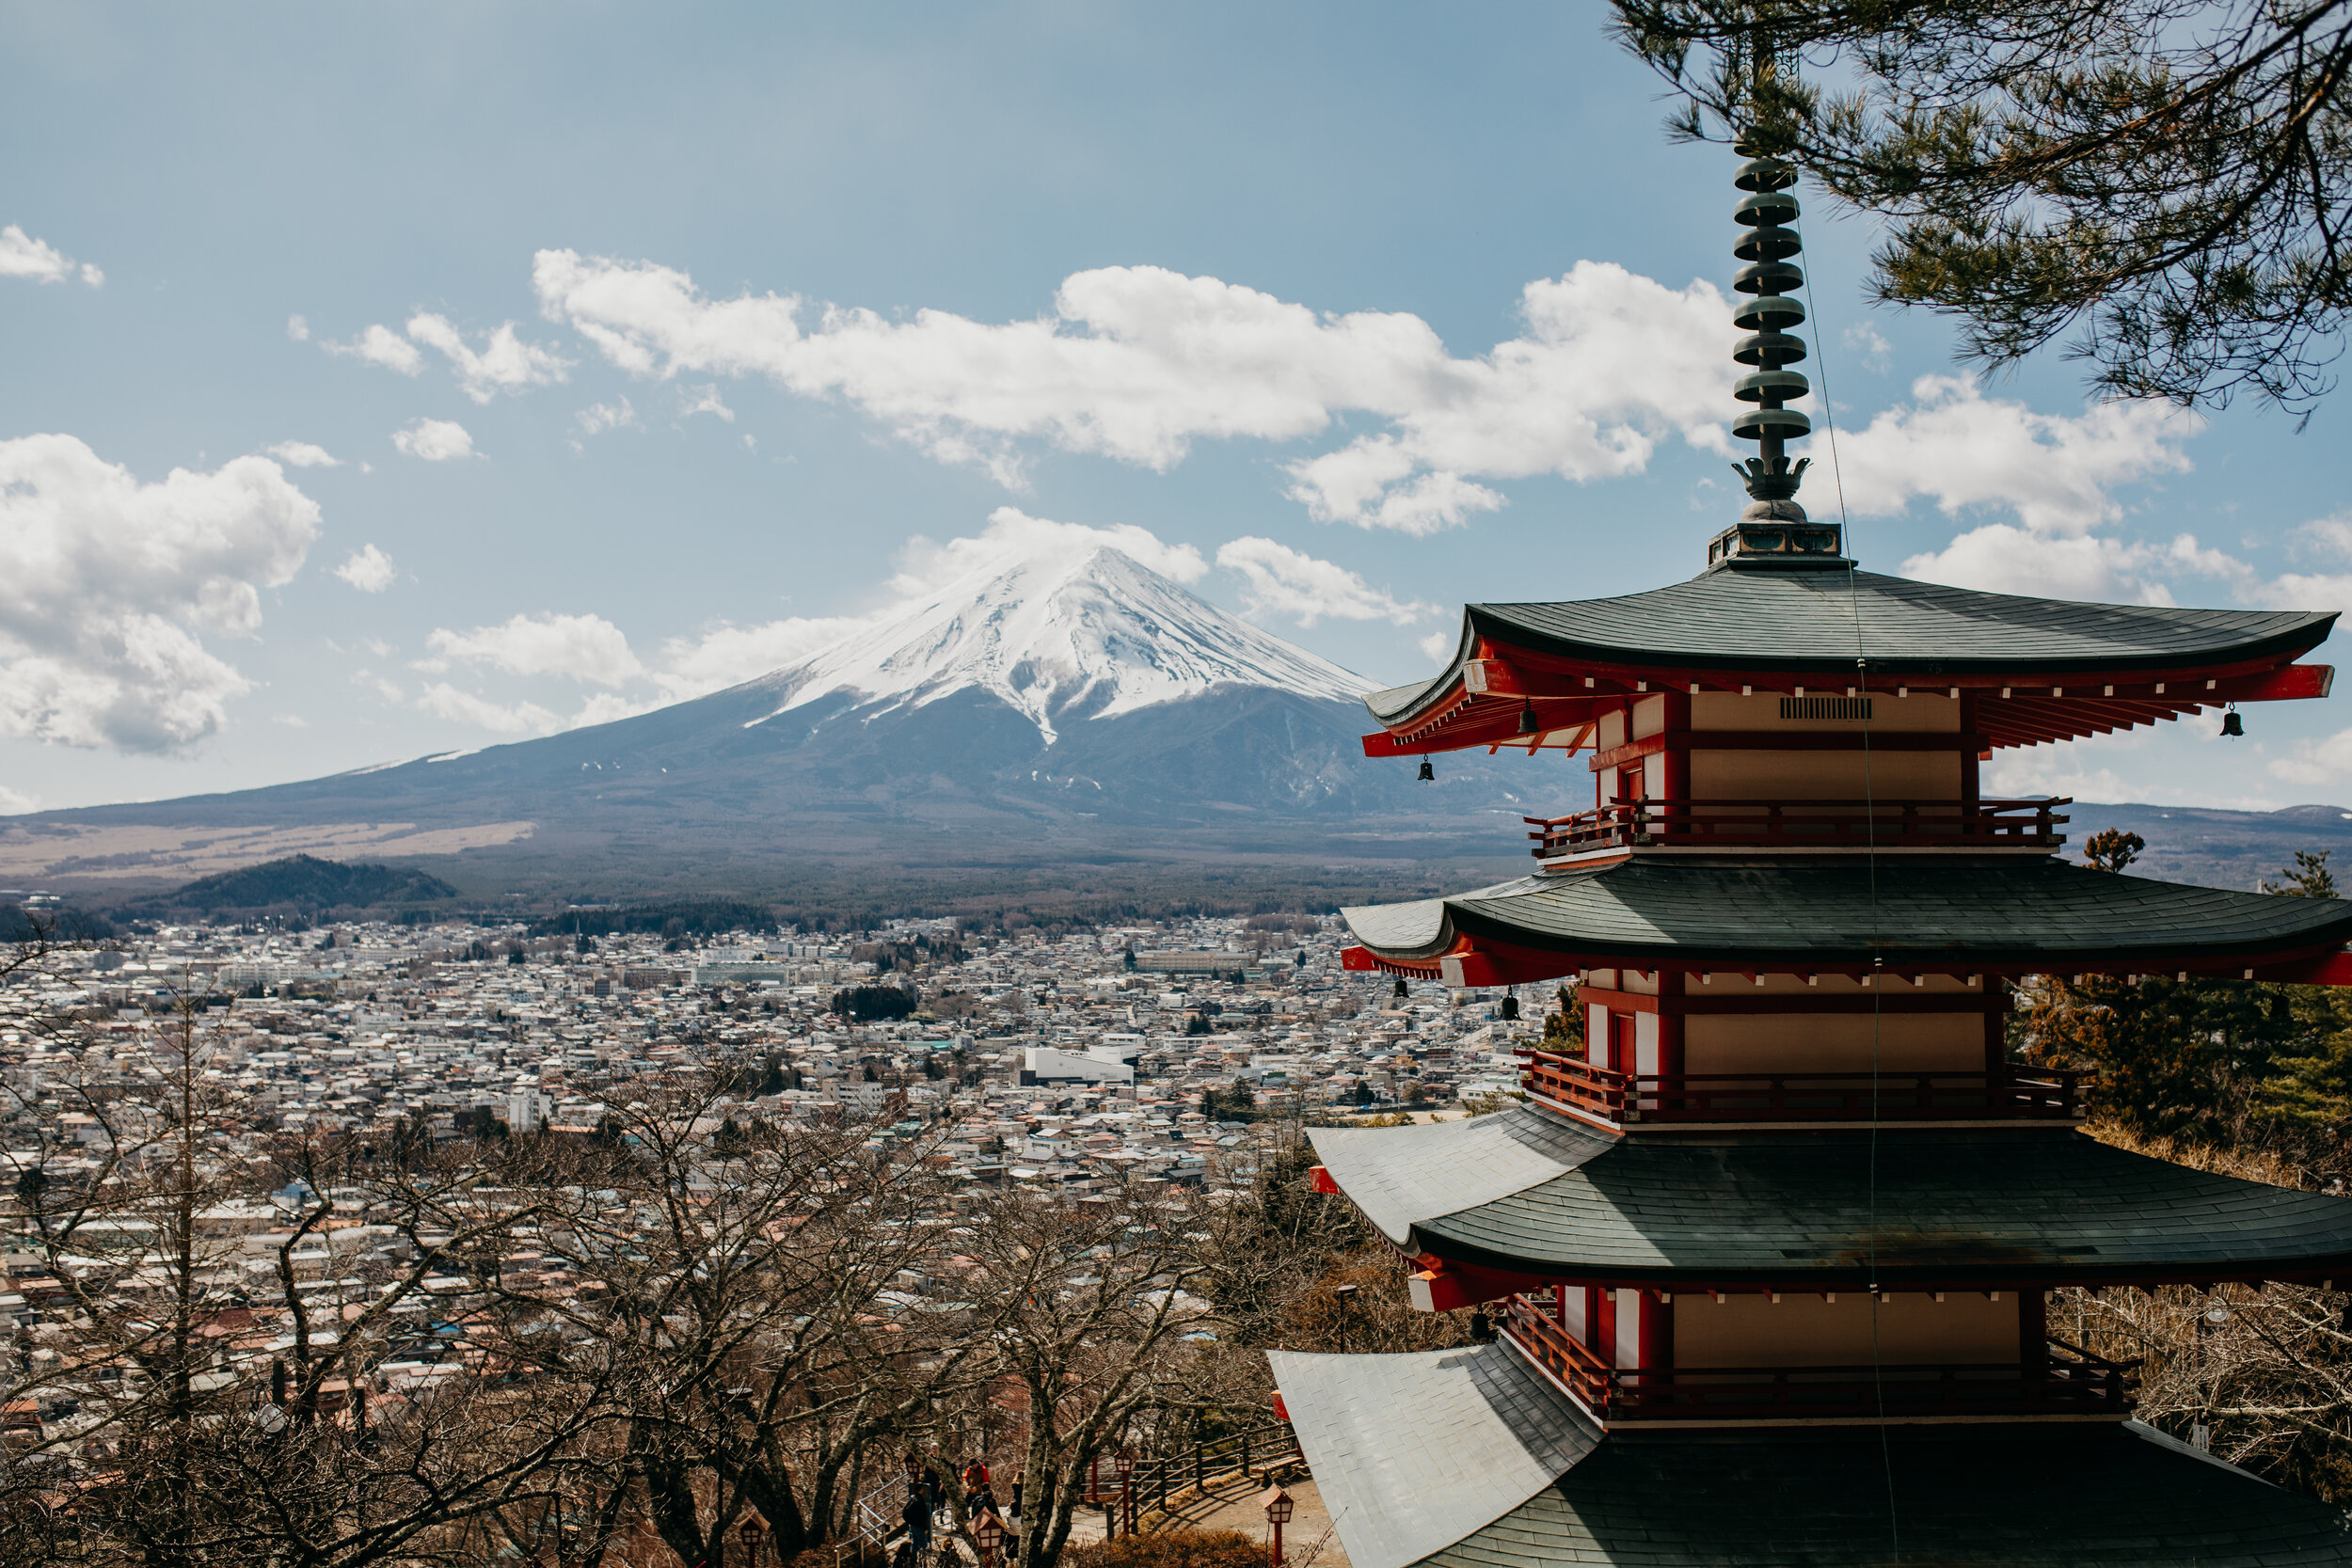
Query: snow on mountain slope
1095	629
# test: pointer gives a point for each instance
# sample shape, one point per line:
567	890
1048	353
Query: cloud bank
23	256
108	587
1139	364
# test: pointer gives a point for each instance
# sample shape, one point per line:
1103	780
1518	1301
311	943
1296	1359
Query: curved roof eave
1800	622
1529	1191
1943	911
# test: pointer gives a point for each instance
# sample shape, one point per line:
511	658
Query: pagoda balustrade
1801	825
1625	1099
2068	1381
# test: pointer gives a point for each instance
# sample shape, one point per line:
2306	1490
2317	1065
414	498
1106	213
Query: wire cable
1870	864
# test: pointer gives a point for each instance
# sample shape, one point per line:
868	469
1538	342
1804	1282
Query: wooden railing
2068	1381
1626	1098
1802	825
1128	1489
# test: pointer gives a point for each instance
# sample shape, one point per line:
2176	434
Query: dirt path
1235	1503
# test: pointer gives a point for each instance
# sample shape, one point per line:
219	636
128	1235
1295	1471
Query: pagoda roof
1532	1191
1408	1450
1946	913
2039	670
1417	1451
1822	621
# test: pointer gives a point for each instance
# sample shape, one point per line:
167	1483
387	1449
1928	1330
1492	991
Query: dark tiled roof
1833	1209
2018	1498
1414	1452
1906	911
1785	621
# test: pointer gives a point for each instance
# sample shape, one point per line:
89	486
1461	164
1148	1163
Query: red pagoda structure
1771	1254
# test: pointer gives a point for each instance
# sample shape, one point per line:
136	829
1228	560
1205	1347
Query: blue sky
644	342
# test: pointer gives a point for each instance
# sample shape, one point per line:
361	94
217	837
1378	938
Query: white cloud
706	400
369	570
380	345
23	256
503	364
389	690
15	800
2055	474
2325	763
727	655
2004	559
925	565
107	585
435	440
1868	345
298	329
304	454
599	417
2323	542
1138	363
1438	646
606	707
581	647
447	702
1963	450
1279	580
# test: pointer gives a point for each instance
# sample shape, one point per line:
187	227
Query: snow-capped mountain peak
1047	634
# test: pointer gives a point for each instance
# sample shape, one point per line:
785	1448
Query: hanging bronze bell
1428	773
2232	724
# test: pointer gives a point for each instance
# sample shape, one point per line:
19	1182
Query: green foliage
2172	180
2112	849
2199	1059
2311	878
866	1003
1564	1031
306	882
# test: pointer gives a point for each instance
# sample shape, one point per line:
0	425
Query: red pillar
1675	761
1969	794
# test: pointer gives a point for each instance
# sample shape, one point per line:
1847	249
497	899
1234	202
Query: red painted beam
1486	961
1483	705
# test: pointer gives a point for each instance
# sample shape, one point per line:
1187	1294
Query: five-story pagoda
1771	1254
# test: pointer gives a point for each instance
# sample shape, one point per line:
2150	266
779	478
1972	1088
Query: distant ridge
308	883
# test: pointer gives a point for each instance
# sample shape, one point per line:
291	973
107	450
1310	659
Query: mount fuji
1098	635
1040	705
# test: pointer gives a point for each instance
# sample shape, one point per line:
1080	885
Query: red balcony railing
1626	1098
1802	825
2068	1381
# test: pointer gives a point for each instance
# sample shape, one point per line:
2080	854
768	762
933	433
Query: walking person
978	1494
916	1515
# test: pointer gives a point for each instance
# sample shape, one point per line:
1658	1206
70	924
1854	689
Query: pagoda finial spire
1772	524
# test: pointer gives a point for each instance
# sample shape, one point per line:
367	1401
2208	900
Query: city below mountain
1043	712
